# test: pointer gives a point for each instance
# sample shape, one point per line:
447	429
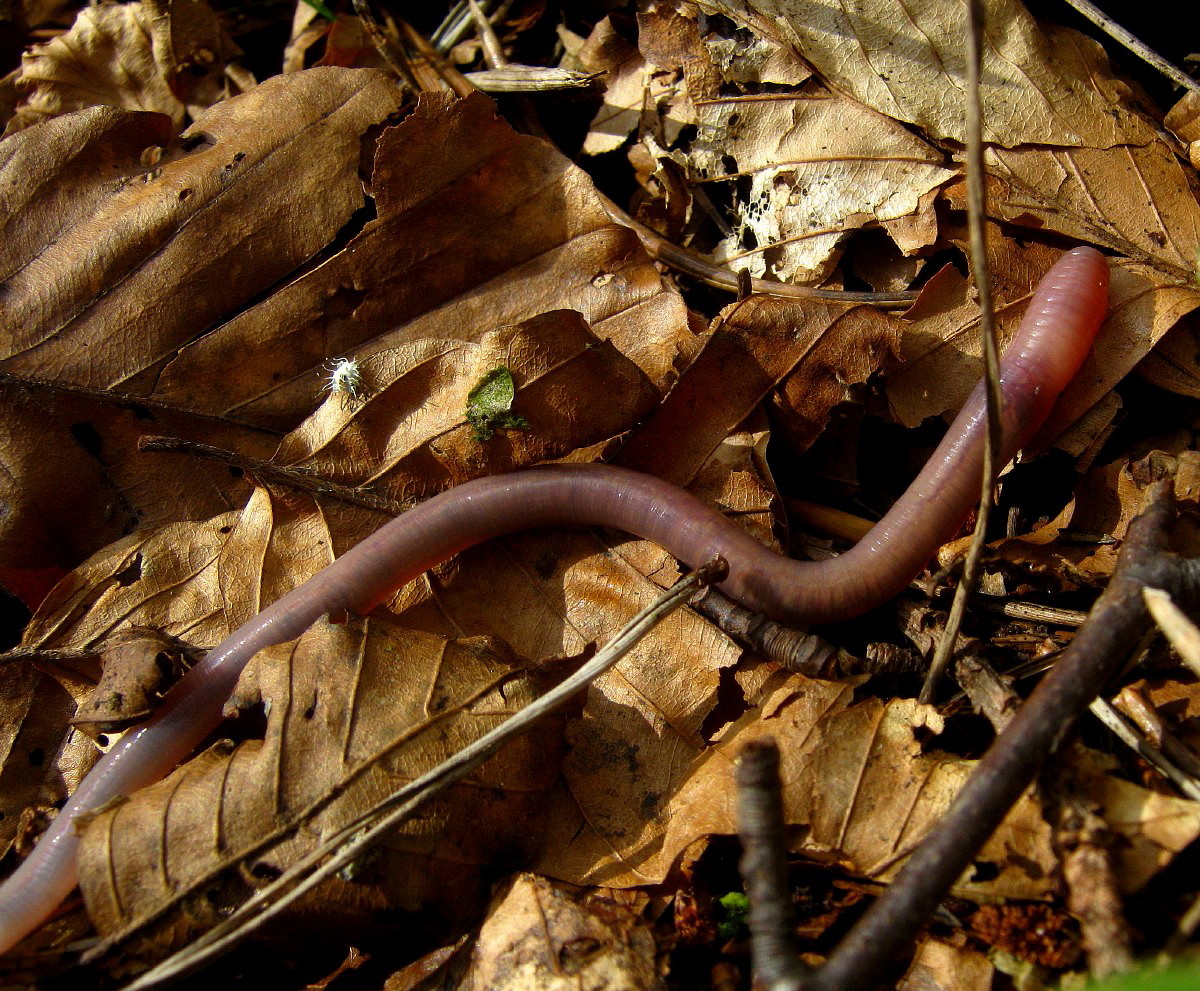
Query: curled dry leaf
811	352
140	56
38	766
351	713
140	666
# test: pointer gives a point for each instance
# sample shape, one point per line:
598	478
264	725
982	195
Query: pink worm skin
1055	335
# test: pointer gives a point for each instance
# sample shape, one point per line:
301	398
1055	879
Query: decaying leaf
1042	84
141	56
410	433
351	712
539	934
941	966
139	668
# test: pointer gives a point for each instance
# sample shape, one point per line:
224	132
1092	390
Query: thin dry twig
976	221
1175	626
1134	44
268	471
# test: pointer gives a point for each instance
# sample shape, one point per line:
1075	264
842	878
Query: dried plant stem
354	839
1135	45
268	471
1114	629
1176	627
976	222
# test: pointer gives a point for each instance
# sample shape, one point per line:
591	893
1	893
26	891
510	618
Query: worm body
1054	337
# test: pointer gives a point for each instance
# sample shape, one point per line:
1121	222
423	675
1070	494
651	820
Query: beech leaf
352	712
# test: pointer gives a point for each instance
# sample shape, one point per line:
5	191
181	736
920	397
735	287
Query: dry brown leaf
72	480
942	966
1040	83
196	581
631	86
812	352
1086	193
408	434
941	346
270	179
539	934
866	791
477	228
352	712
141	56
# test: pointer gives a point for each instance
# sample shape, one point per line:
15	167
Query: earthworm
1055	335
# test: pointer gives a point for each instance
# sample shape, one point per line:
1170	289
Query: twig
1176	627
764	867
795	649
1135	45
1116	723
384	48
351	841
977	226
268	471
1114	629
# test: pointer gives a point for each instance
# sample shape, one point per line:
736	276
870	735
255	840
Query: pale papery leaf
540	934
1040	83
807	169
477	228
941	964
630	84
131	55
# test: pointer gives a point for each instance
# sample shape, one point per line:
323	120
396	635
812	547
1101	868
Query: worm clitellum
1054	337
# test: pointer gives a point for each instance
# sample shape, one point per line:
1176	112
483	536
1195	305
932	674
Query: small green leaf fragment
322	9
489	405
736	907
